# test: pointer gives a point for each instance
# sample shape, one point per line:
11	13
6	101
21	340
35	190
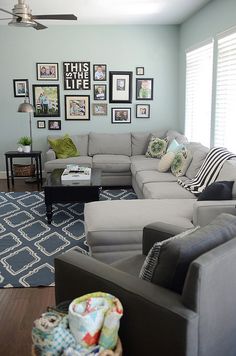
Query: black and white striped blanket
209	170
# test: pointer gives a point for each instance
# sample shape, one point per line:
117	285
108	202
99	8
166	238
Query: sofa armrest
158	231
150	312
50	155
205	211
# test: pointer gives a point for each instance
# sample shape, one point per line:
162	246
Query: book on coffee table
75	173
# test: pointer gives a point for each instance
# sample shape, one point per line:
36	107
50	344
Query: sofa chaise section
114	228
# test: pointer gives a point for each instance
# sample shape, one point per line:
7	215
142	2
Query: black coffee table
82	192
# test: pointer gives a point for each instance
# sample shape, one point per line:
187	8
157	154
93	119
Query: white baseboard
3	174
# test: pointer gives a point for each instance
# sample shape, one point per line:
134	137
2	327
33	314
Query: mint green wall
120	47
215	17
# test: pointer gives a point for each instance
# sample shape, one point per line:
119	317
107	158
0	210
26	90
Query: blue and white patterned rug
28	245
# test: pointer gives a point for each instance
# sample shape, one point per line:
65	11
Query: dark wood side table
36	155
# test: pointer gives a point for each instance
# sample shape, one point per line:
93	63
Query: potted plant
26	142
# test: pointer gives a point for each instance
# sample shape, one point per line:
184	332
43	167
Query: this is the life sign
76	75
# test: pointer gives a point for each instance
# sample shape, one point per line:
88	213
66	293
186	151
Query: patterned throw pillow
181	162
157	147
152	260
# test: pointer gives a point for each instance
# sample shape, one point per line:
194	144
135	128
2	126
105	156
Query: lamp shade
26	107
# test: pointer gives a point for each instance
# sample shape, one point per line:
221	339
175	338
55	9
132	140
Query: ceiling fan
22	17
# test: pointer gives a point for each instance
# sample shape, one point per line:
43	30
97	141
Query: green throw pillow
181	162
64	147
157	147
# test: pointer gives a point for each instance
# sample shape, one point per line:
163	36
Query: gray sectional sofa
114	228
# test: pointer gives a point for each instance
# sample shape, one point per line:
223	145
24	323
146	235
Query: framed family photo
139	70
99	72
54	124
143	111
77	107
121	115
100	91
46	100
144	89
120	87
47	71
41	124
21	87
99	109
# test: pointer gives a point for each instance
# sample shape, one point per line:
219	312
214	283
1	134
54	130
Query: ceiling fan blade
39	26
6	18
8	12
55	17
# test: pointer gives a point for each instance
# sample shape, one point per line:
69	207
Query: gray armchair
157	321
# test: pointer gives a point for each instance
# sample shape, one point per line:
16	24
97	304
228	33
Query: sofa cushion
112	163
199	153
172	134
49	166
141	163
177	255
166	190
144	177
166	161
130	265
217	191
228	171
181	162
157	147
64	147
110	144
139	142
81	142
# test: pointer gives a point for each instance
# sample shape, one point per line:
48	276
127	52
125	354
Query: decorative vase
27	149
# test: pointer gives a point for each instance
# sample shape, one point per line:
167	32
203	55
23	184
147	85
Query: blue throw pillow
174	146
221	190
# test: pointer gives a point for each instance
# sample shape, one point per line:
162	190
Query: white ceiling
93	12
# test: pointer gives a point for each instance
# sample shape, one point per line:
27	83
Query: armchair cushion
176	255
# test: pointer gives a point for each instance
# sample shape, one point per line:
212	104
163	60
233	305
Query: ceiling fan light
22	23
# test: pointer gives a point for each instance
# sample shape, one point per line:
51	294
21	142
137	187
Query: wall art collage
77	77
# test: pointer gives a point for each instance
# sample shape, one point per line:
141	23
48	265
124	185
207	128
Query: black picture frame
144	93
143	111
99	109
41	124
98	94
54	124
139	70
120	87
81	110
118	115
101	74
21	88
47	71
77	75
50	105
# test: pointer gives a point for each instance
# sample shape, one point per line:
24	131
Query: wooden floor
19	307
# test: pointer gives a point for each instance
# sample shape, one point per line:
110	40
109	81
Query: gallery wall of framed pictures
105	87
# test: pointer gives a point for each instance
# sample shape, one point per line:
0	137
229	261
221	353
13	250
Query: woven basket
116	352
24	170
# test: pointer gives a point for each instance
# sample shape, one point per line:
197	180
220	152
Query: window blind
225	110
199	68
